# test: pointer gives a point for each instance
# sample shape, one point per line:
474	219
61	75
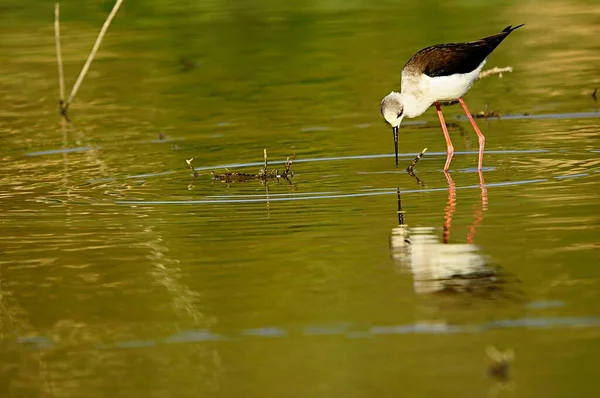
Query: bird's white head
392	110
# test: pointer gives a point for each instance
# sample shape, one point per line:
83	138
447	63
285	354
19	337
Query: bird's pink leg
450	148
479	135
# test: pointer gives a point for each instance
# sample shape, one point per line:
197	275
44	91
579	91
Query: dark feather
451	58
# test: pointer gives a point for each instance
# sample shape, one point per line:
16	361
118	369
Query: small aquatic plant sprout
499	367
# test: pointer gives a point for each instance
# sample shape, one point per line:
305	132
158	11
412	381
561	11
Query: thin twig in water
411	167
61	74
595	94
495	71
90	58
265	154
288	164
263	172
412	164
189	163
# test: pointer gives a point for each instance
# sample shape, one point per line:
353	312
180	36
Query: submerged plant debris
263	175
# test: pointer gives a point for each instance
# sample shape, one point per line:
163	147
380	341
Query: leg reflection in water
440	266
478	210
451	208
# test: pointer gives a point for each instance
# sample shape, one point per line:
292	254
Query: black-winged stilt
440	73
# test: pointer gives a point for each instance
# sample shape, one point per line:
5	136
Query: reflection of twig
267	193
417	179
400	211
65	136
495	71
595	94
90	58
61	75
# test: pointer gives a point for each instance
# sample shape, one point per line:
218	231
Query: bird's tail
509	28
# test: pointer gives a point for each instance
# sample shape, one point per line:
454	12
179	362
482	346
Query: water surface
122	275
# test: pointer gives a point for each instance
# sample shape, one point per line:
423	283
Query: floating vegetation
263	175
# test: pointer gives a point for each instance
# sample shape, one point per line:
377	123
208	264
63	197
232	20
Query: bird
439	74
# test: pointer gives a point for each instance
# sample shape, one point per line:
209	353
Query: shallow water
122	275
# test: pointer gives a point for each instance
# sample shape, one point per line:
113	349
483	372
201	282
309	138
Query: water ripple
340	330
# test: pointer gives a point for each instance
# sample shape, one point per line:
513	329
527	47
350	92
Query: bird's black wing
451	58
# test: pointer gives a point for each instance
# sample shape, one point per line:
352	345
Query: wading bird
440	73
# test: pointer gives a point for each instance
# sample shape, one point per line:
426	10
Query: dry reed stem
61	74
495	71
90	58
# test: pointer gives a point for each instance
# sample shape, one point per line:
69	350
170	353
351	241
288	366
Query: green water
122	276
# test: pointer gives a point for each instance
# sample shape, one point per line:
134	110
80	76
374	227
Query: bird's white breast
450	88
419	91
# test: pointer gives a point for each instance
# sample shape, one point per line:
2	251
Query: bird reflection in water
441	266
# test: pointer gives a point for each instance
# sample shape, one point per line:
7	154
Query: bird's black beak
395	131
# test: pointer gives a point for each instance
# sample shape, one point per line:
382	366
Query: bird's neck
414	106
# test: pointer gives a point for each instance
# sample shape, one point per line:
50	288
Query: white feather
420	91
